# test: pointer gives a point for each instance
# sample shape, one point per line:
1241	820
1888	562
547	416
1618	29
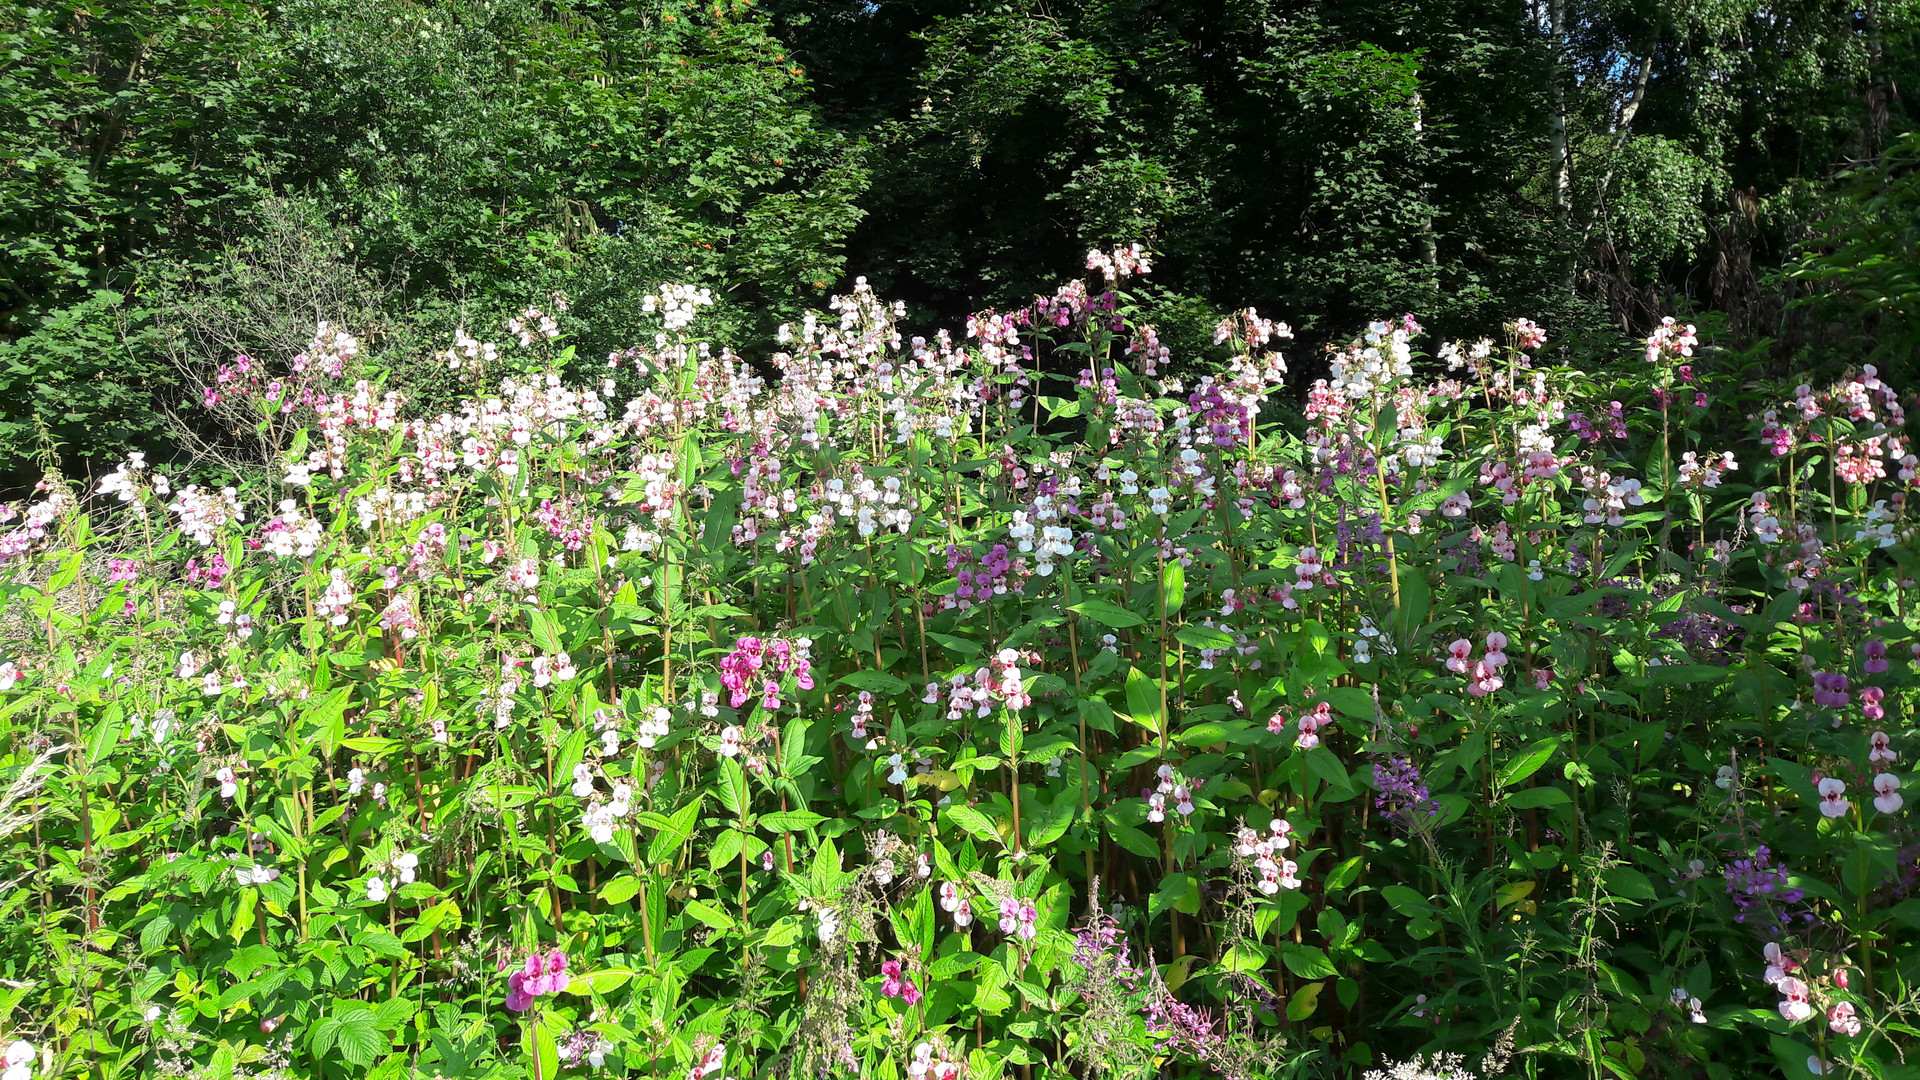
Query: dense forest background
181	180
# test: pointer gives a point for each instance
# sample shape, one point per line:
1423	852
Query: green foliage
1861	260
924	705
83	381
475	155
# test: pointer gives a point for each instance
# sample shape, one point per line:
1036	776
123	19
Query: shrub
918	707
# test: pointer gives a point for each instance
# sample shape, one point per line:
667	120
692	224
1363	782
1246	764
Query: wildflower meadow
1013	701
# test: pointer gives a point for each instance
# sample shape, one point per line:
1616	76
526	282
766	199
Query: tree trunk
1557	130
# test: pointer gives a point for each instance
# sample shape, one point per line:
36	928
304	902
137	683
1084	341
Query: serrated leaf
709	914
789	820
973	821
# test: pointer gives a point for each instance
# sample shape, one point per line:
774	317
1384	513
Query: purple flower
1761	896
1876	657
1402	792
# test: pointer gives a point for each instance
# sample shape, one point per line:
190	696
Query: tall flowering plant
721	715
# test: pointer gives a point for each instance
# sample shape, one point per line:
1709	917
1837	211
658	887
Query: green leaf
1405	900
1111	616
1179	892
1322	763
604	981
1537	798
1203	637
731	786
973	821
789	820
1143	700
360	1039
709	914
1173	587
877	682
1302	1002
1350	701
1527	762
1628	882
620	889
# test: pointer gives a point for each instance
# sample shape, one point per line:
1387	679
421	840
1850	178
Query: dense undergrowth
903	707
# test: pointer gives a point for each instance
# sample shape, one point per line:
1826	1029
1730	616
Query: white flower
406	864
256	875
376	889
20	1057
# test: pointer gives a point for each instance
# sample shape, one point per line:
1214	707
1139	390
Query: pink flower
910	995
1886	792
1460	656
518	1000
1882	749
1310	724
1795	1003
1841	1019
1833	802
953	901
1778	963
1309	733
710	1064
1870	699
1009	916
1029	918
537	976
1482	680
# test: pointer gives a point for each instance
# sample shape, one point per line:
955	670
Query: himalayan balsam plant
1009	703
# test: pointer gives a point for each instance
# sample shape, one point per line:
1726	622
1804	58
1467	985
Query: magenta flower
890	985
536	977
518	1000
1870	699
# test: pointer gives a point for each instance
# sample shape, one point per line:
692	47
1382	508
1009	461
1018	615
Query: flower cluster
1275	871
536	977
754	660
